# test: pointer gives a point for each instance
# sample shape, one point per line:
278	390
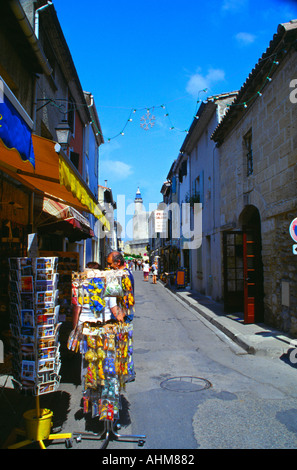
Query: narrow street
194	388
251	403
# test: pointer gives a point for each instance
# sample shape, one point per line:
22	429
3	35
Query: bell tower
138	202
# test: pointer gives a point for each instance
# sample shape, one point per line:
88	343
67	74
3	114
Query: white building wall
206	272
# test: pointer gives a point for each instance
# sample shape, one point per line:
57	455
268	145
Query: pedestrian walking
154	269
116	261
146	270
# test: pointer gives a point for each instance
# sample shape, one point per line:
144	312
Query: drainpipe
36	18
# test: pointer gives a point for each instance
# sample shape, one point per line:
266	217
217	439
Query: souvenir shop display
34	327
35	347
67	263
106	347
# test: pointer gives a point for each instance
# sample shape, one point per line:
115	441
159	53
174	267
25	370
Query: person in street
154	269
83	313
146	270
115	260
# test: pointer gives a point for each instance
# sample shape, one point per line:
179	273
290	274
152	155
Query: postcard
27	301
27	284
45	331
46	263
27	337
14	298
46	320
45	310
46	342
45	275
14	313
45	365
47	387
45	297
28	370
27	318
15	330
14	275
47	353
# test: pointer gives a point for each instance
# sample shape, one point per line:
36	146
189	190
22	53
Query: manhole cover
185	384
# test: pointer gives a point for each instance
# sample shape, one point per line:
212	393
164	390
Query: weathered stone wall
272	188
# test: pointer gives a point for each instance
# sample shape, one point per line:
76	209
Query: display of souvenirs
34	327
91	286
67	263
107	365
107	348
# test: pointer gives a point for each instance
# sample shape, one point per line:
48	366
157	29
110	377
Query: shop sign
160	221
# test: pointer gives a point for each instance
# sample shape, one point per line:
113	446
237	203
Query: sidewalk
257	339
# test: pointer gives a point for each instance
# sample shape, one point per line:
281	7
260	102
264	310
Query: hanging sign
160	221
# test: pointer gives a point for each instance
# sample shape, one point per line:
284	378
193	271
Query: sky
146	63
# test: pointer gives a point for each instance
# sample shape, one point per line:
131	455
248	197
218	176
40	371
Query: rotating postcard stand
35	347
107	350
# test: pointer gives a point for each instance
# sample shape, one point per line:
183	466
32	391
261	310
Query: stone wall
272	188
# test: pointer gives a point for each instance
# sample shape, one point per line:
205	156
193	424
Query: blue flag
14	131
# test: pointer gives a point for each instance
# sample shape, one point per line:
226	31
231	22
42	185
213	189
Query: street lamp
63	133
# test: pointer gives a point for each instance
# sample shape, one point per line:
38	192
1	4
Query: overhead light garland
148	120
267	79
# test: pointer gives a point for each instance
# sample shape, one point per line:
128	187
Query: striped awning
58	212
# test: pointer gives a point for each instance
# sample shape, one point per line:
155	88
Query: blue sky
143	55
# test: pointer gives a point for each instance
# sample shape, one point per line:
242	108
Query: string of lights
147	120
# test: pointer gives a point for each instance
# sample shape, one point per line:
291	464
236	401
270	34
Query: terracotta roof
278	48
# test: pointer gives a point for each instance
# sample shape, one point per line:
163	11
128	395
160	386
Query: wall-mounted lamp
63	133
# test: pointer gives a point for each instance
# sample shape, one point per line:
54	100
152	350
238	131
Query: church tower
140	218
138	202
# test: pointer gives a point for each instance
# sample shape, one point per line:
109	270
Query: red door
233	271
249	273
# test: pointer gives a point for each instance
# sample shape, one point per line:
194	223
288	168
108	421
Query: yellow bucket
38	428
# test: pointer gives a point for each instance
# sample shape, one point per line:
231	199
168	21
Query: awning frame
76	193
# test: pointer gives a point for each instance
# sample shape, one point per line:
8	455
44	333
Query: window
74	157
248	152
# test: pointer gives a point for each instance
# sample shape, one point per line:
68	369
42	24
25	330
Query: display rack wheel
118	426
68	443
141	443
78	438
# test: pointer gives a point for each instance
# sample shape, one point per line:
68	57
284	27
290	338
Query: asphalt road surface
194	388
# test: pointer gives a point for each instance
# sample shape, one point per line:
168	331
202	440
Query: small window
74	157
248	147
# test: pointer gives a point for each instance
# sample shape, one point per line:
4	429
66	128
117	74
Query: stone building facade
258	169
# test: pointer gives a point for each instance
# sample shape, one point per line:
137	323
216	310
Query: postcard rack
35	347
107	351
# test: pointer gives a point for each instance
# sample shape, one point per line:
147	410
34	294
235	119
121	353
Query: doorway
243	269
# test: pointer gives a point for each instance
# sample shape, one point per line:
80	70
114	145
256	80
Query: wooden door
243	274
233	271
250	276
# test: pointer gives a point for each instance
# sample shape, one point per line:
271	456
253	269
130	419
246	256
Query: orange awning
54	176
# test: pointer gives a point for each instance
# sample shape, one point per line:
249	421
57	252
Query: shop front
41	192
